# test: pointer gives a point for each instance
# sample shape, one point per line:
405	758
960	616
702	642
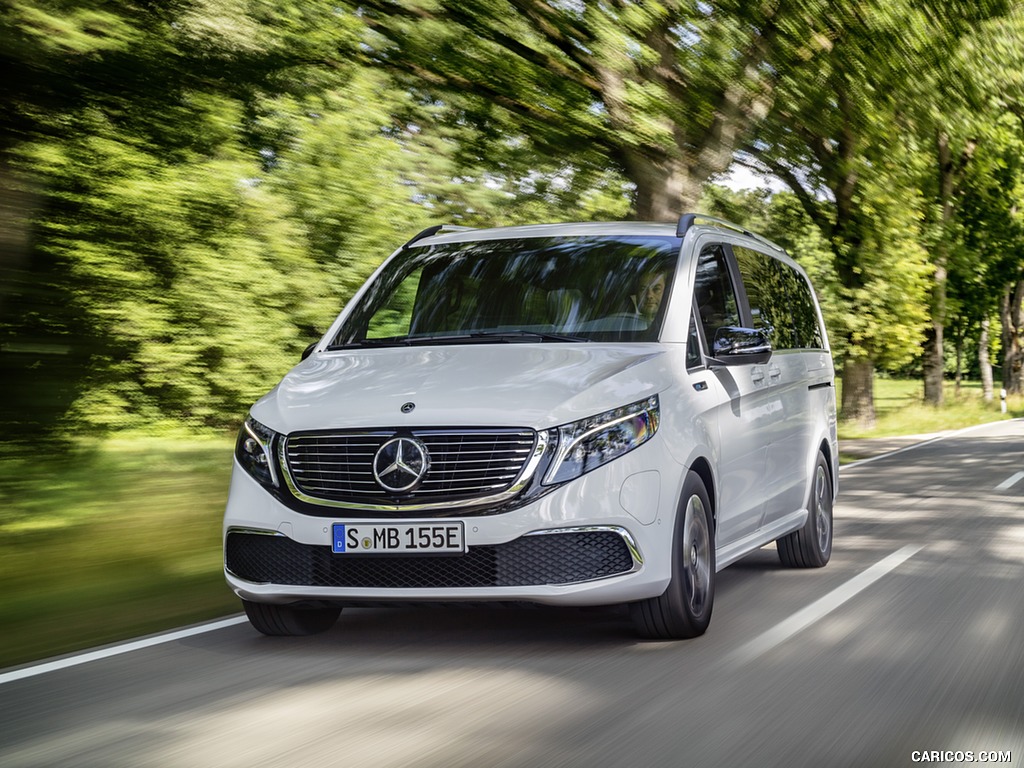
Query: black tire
811	546
287	620
684	609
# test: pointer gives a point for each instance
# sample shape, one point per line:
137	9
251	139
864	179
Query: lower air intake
562	558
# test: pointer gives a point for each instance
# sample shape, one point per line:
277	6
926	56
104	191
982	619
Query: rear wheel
684	609
278	620
811	546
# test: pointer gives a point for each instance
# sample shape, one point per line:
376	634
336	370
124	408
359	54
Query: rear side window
805	314
781	303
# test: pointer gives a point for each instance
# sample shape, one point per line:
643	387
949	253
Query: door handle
757	375
774	371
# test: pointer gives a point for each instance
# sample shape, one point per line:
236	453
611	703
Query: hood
520	385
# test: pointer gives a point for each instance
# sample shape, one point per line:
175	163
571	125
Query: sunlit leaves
58	29
661	92
175	273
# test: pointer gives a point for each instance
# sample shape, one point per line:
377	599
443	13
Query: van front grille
462	464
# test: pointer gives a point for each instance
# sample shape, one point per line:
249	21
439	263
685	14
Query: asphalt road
909	641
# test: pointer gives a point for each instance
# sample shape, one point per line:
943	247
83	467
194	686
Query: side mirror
308	351
740	346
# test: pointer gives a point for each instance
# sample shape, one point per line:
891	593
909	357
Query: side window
780	301
714	292
805	316
768	291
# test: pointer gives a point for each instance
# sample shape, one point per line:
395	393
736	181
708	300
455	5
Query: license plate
399	538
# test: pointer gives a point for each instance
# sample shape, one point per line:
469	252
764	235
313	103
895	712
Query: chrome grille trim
518	464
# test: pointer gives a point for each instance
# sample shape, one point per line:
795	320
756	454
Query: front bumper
603	538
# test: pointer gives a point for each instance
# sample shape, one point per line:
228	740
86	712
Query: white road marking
1009	482
116	650
869	459
821	607
946	436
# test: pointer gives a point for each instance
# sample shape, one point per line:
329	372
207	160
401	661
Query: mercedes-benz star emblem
400	463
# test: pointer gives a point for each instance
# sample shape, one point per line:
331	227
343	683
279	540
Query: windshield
559	289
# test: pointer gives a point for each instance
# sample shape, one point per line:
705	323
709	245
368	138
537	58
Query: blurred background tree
664	92
988	272
839	138
169	262
192	189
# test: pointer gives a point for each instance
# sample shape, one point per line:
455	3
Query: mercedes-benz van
572	414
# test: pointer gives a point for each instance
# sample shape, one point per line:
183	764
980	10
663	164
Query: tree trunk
983	362
18	203
859	391
959	364
665	188
934	353
934	362
1012	318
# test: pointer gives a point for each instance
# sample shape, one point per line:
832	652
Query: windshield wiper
412	341
364	343
471	337
516	335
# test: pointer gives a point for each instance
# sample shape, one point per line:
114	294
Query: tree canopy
192	189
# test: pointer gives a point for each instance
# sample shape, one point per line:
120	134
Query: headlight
254	451
587	444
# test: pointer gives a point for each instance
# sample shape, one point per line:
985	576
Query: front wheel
684	609
811	546
287	620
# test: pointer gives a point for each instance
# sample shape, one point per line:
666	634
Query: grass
113	542
900	410
122	538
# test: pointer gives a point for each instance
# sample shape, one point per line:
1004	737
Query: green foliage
989	234
193	189
988	241
884	315
659	92
834	138
341	180
203	188
190	281
187	245
885	310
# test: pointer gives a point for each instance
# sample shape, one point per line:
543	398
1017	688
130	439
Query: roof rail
429	231
687	220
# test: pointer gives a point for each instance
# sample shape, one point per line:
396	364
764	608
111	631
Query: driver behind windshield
651	290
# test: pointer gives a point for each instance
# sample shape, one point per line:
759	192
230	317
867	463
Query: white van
571	414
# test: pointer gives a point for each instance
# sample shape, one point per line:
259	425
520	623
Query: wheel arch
702	468
833	466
